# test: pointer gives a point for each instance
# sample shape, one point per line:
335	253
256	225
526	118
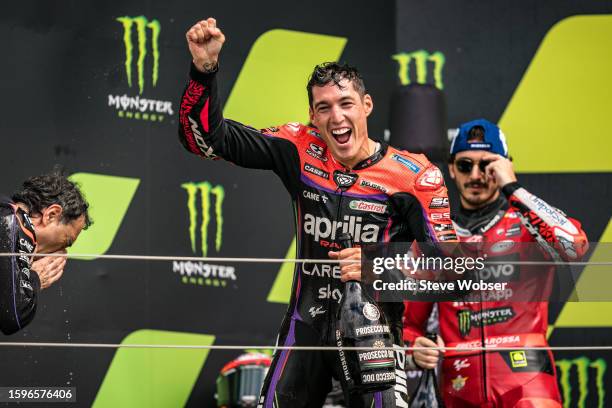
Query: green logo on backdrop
205	191
580	371
205	203
141	24
141	65
422	62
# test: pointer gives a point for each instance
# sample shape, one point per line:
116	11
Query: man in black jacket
45	216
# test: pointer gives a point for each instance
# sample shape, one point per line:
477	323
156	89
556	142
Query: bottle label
368	330
374	359
371	312
369	378
345	369
376	355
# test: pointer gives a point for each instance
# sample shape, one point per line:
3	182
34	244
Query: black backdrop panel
63	77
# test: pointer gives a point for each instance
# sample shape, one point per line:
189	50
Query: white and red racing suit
518	226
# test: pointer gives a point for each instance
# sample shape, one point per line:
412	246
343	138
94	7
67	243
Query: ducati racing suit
506	229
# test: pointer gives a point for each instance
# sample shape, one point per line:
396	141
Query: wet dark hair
333	72
40	192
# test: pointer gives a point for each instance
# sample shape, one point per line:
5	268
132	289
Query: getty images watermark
479	271
410	265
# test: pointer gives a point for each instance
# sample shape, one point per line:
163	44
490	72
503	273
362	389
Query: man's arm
19	285
426	210
543	221
563	233
430	220
416	317
204	131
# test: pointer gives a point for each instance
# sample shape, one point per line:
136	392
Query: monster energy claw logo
584	368
138	107
202	273
421	59
142	24
464	318
206	191
467	318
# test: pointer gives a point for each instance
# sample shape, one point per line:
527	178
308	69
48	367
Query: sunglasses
465	165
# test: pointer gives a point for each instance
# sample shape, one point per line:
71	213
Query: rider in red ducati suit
499	218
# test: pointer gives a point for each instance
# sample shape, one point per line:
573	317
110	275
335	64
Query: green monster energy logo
583	367
206	190
485	317
421	59
465	322
141	24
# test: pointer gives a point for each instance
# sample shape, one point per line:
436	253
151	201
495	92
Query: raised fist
205	41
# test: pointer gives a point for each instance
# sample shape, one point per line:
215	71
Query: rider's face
475	188
340	113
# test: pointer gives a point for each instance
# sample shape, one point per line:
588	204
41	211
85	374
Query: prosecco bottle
360	323
427	393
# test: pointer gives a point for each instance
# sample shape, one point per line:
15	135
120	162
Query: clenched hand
205	41
49	269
